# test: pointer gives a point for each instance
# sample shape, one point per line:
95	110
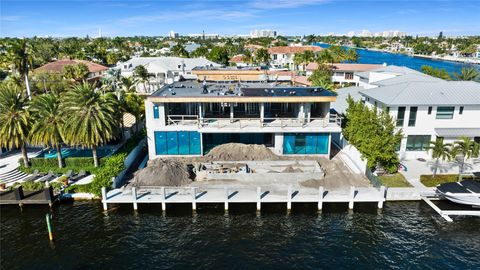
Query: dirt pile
290	169
239	151
162	172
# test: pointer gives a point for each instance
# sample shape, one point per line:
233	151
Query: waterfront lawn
429	181
394	180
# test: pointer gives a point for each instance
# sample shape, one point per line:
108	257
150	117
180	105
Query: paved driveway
416	168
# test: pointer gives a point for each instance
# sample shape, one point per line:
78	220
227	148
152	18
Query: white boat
465	192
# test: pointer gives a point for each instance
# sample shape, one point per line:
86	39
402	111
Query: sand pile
290	169
239	151
162	172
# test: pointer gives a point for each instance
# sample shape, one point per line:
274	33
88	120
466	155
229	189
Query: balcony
332	123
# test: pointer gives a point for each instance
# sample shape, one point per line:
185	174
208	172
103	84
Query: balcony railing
332	120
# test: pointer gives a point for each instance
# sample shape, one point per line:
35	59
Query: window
305	143
177	143
418	142
445	112
429	110
412	117
461	110
400	116
274	57
156	114
348	76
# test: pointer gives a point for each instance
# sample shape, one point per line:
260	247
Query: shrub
30	185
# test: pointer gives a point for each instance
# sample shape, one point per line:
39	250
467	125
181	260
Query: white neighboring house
427	110
387	75
164	70
343	73
239	60
282	56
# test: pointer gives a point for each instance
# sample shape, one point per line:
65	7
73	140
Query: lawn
429	181
394	180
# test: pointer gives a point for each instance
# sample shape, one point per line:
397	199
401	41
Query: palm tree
465	148
351	55
91	117
141	74
467	74
49	121
135	105
440	150
324	57
14	119
21	57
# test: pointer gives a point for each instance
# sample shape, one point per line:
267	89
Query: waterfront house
189	118
429	110
95	71
165	69
343	73
283	56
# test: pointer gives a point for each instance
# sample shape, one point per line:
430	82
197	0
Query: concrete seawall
408	194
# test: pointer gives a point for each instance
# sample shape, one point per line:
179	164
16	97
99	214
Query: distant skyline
229	17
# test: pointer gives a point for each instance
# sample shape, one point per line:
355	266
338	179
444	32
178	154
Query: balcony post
262	113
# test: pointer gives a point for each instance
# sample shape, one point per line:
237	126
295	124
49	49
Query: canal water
403	235
376	57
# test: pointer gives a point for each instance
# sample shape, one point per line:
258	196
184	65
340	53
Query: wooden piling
226	199
352	197
104	198
320	198
259	198
164	199
134	197
382	197
289	198
194	199
49	226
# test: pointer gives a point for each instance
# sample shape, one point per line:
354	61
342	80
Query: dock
445	214
19	197
231	195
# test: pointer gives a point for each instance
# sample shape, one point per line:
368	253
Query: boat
465	192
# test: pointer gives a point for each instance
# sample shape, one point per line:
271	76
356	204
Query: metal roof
458	132
427	93
340	105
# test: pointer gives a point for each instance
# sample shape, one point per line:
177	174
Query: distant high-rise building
263	33
173	34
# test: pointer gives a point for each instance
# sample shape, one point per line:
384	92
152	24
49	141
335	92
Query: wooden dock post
259	198
48	217
320	198
104	198
226	199
289	198
134	197
352	196
382	197
164	199
194	198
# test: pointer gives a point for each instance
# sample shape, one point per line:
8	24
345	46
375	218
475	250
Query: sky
21	18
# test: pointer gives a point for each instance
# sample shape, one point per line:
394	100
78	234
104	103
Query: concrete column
194	199
301	111
161	112
226	200
308	111
259	198
231	112
320	198
382	197
289	198
352	196
200	111
104	198
278	143
164	199
134	197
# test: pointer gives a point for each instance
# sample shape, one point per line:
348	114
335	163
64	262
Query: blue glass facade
177	143
305	143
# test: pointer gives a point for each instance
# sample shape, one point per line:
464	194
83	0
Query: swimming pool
76	152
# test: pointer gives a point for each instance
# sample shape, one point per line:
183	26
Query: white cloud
11	18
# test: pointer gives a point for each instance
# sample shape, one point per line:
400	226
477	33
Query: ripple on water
403	235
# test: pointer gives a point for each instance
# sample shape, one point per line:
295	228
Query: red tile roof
57	66
293	49
237	59
301	80
347	66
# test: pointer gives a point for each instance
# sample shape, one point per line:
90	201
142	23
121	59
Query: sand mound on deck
240	151
162	172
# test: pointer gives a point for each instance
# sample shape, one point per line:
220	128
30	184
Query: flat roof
192	91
